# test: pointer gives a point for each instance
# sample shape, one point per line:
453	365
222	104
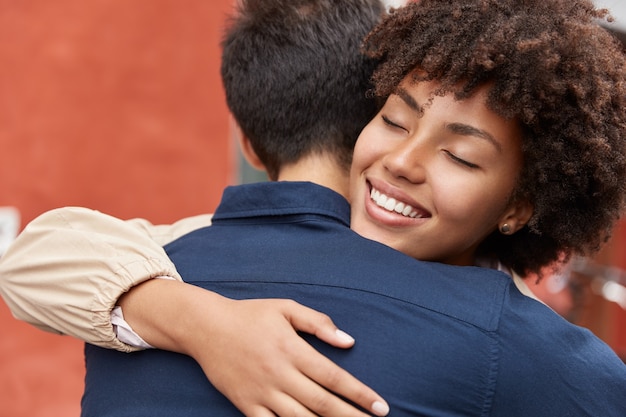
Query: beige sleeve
164	234
65	272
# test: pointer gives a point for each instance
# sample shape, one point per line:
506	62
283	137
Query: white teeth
391	204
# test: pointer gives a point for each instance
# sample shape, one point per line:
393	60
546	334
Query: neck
321	169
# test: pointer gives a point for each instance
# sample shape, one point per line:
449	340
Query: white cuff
124	332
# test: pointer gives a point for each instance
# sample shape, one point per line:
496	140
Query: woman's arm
69	267
65	272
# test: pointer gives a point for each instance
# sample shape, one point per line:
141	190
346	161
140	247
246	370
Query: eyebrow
409	100
467	130
457	128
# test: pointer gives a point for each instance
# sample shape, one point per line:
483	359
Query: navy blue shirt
432	339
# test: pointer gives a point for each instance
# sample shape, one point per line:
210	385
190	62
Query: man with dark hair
295	82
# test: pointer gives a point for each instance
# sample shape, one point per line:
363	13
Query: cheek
466	203
359	164
355	169
366	150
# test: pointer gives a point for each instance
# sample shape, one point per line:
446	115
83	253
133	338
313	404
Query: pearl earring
505	229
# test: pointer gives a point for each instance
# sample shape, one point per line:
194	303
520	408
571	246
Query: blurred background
117	105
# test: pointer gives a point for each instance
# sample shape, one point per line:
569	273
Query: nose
407	160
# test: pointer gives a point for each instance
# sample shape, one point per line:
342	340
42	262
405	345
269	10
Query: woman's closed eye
393	124
459	160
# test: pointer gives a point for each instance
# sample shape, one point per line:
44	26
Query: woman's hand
250	351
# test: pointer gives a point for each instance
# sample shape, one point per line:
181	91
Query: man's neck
321	169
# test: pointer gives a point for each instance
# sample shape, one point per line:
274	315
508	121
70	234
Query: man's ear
246	148
515	217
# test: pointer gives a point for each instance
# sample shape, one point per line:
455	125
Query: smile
391	204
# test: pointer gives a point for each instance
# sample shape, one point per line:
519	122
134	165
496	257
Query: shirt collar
282	198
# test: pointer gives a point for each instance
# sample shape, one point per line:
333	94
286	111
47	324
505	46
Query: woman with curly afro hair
503	133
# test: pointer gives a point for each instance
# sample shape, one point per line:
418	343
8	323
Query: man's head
295	78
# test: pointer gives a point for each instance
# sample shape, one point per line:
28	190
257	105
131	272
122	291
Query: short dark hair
295	78
552	67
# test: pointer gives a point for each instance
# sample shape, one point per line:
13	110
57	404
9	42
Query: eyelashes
390	123
460	160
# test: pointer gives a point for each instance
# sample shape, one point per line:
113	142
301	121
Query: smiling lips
391	204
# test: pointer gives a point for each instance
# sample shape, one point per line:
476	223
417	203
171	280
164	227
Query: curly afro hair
552	67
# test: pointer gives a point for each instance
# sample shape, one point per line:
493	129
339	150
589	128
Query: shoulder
562	366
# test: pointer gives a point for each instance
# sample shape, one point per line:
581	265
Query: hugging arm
68	269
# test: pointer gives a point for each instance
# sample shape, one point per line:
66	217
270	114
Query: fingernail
380	408
344	336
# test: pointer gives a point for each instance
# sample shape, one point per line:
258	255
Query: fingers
310	321
327	374
266	369
258	412
283	405
305	398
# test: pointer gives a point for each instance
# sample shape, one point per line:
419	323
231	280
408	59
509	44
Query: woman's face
434	183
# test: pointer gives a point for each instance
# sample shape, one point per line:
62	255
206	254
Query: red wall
115	105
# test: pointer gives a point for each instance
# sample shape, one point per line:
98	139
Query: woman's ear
246	148
515	217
